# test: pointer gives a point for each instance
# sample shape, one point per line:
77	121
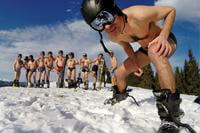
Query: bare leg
127	67
163	68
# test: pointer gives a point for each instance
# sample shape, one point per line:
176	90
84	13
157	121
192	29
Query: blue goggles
102	19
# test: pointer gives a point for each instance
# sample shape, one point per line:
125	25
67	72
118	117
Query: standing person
17	66
26	60
32	66
85	63
49	64
95	68
102	72
158	43
60	67
71	70
41	69
113	67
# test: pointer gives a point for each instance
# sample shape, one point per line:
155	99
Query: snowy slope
53	110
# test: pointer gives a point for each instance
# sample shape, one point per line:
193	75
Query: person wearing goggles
139	24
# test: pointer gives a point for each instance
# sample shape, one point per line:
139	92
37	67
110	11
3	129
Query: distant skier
32	66
41	69
113	67
95	68
71	70
60	67
17	66
49	64
85	64
158	43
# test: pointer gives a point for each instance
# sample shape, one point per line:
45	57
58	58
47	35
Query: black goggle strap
102	43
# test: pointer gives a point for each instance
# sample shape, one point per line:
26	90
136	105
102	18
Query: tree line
187	77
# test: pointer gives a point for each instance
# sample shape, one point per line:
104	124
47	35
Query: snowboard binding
118	96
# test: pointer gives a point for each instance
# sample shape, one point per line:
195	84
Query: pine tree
147	79
191	74
179	77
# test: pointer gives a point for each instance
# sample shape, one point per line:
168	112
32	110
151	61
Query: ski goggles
103	18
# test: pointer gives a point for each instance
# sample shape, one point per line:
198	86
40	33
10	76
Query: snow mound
54	110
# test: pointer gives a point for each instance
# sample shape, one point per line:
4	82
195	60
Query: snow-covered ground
53	110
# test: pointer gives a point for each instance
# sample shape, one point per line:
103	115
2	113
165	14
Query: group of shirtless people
43	66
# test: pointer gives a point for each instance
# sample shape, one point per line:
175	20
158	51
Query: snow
54	110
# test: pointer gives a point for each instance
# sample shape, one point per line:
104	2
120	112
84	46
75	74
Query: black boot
38	83
47	83
117	96
168	105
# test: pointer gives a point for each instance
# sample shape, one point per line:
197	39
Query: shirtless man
95	68
32	66
85	63
71	70
41	69
26	60
49	66
113	67
18	64
60	66
139	24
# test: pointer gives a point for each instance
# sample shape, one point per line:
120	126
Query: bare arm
114	63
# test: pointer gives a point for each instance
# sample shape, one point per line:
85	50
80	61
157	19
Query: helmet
91	8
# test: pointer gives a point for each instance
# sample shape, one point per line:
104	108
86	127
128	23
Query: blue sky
27	26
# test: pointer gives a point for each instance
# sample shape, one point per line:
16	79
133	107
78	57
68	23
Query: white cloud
188	10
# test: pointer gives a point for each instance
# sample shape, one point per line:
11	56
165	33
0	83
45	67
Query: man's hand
139	72
163	48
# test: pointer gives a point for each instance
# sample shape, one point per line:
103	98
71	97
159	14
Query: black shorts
95	68
85	69
71	68
41	69
33	70
145	50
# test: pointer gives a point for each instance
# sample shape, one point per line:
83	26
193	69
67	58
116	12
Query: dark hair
26	58
60	52
19	55
50	53
42	53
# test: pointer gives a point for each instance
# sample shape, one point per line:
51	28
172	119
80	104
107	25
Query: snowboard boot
94	86
38	84
168	105
42	84
14	84
117	96
48	84
69	83
17	83
61	85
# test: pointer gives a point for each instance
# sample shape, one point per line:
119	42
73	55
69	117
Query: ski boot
61	85
17	83
14	84
168	105
42	84
94	86
48	84
38	84
69	83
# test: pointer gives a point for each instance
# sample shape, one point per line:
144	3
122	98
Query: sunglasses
102	19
